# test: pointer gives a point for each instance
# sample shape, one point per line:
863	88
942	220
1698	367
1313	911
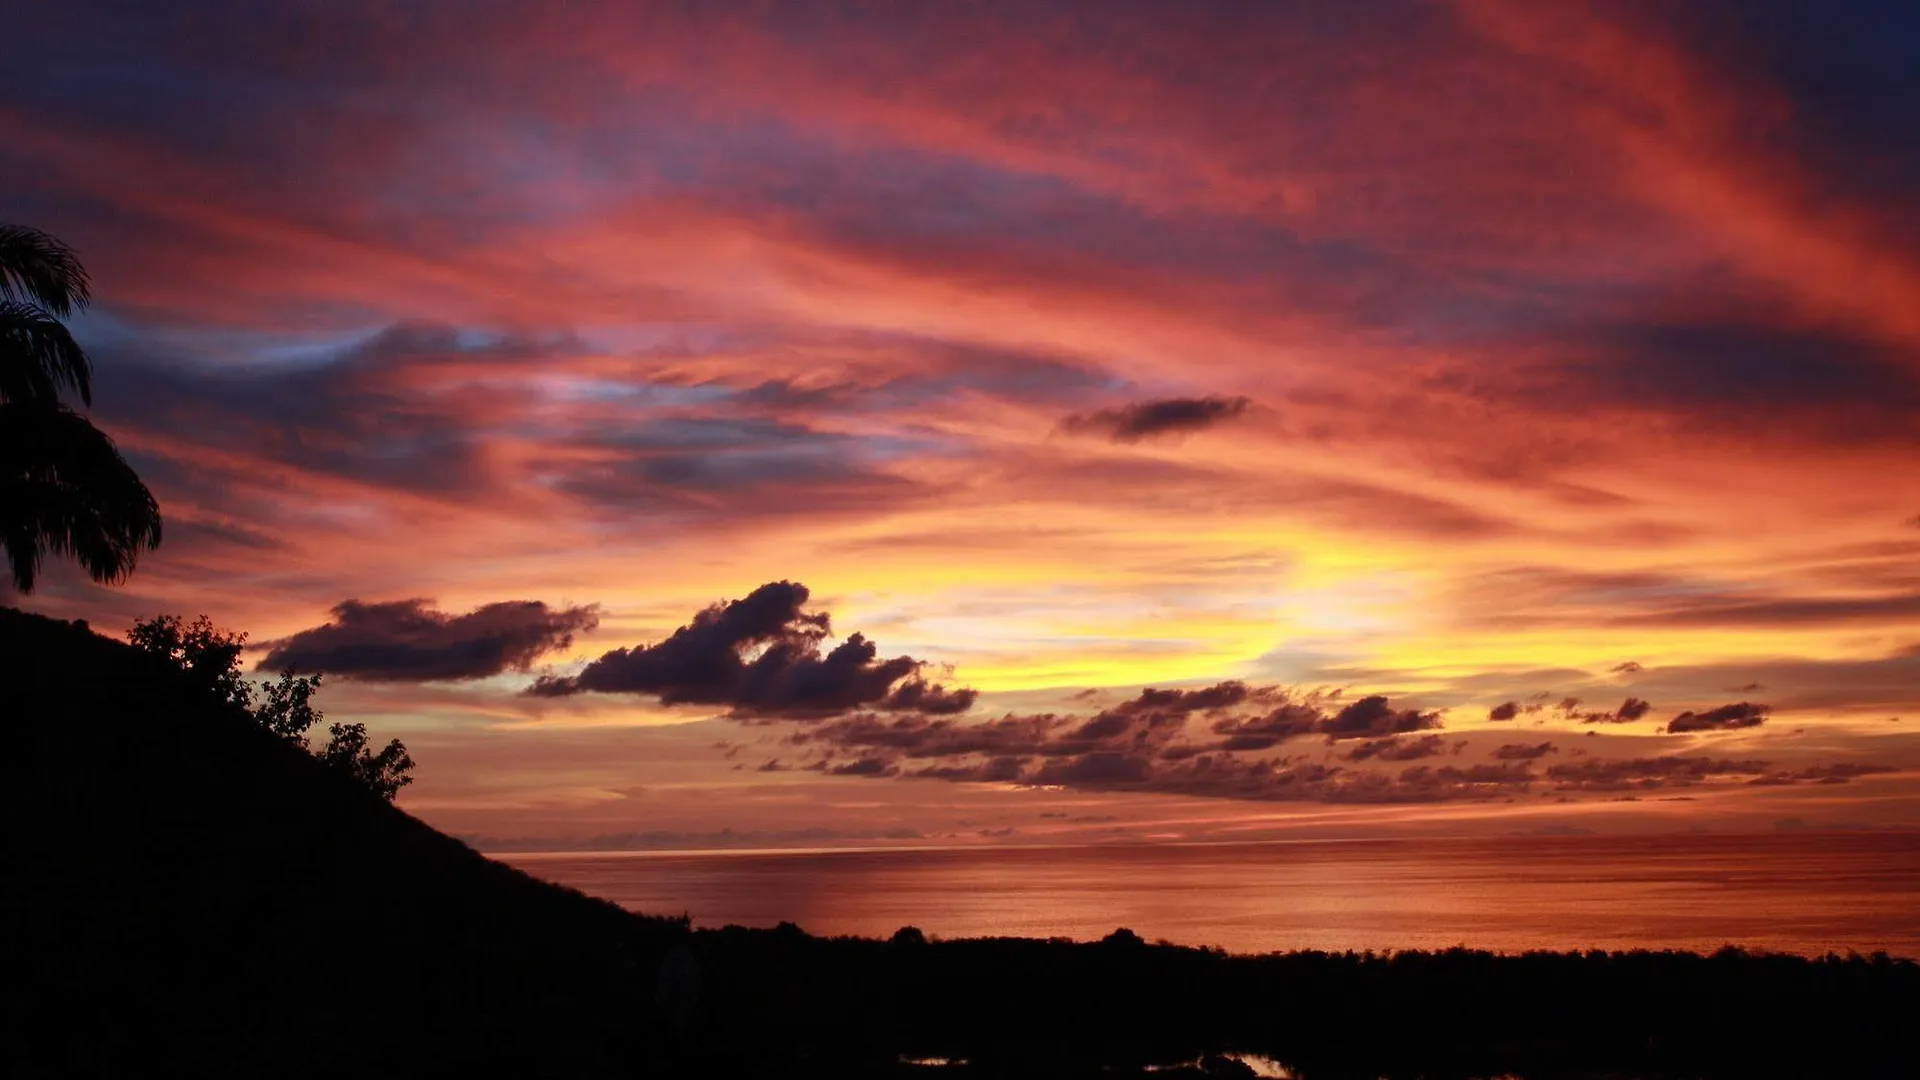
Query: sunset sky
1549	371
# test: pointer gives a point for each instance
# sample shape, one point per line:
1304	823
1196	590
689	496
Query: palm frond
39	268
38	356
65	490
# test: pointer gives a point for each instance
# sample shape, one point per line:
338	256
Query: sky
732	424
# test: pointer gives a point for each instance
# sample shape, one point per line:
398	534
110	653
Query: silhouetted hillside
184	894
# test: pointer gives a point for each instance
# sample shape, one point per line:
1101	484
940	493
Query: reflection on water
1790	893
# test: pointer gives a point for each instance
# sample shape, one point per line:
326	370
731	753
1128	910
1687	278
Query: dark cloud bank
1147	419
1524	751
1725	718
1220	741
764	656
409	641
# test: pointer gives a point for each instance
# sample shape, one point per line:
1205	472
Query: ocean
1788	892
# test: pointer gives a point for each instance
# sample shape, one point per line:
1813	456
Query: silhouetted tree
211	658
64	488
383	772
287	707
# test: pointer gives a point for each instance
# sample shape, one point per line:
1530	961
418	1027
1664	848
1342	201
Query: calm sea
1805	893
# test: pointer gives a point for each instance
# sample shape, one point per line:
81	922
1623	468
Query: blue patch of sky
99	329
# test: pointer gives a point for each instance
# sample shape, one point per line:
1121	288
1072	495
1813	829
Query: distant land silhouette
185	894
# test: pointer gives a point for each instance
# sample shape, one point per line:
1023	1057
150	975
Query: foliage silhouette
42	357
64	488
210	659
36	268
383	772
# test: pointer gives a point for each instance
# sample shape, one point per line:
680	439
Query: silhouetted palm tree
64	488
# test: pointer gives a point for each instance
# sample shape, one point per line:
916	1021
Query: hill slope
203	896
